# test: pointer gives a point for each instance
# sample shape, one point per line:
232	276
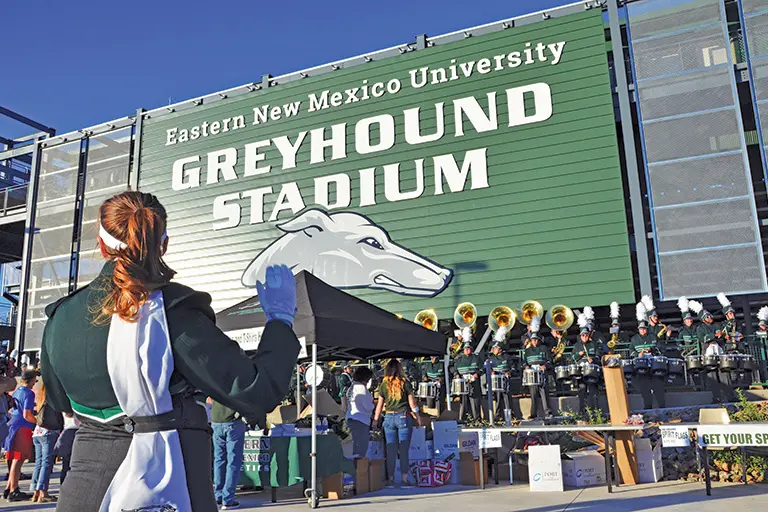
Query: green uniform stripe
102	415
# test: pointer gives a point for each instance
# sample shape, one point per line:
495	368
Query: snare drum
675	366
498	383
729	362
659	366
574	370
562	373
693	364
427	390
643	365
459	386
591	373
533	377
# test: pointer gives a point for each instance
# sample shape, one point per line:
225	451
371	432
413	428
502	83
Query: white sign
545	469
249	340
489	438
734	434
675	437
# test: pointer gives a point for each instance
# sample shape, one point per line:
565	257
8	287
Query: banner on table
741	434
675	437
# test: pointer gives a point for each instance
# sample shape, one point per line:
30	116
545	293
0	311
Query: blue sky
76	64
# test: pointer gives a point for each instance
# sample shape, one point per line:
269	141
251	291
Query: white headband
115	244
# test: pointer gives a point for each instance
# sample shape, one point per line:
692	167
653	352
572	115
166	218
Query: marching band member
587	350
687	333
656	328
558	339
434	371
762	325
469	366
536	354
594	333
615	329
501	364
645	344
707	333
525	339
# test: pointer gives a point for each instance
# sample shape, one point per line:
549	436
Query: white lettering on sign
262	159
674	436
489	438
738	434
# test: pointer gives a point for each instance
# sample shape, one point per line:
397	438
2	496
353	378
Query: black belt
182	416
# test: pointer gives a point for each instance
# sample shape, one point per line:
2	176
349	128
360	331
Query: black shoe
17	495
231	506
6	492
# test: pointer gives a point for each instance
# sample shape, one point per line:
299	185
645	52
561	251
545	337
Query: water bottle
508	417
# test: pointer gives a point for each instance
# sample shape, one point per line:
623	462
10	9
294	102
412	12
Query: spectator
359	411
18	444
344	382
395	399
65	441
49	425
5	407
228	441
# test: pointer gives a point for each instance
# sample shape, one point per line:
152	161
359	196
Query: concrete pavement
681	496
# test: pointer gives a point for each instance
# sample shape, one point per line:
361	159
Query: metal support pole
133	179
313	455
707	480
630	152
447	366
298	391
744	463
29	231
488	381
482	470
608	461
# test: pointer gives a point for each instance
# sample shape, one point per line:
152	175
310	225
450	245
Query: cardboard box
362	476
649	465
545	470
503	473
582	469
445	439
469	470
375	450
430	449
333	486
376	475
418	447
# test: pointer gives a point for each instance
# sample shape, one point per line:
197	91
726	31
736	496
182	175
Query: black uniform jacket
73	359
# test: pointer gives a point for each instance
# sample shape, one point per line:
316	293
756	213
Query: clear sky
70	65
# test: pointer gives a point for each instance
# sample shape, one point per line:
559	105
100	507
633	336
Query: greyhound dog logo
348	250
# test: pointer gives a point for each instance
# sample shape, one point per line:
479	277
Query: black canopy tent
338	326
342	326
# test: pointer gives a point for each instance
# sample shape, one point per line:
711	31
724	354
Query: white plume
682	304
648	303
466	335
589	313
535	324
614	310
582	320
723	300
457	333
763	314
695	306
640	312
500	334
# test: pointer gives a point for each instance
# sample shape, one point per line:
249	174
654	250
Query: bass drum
533	377
459	386
643	365
498	383
562	373
427	390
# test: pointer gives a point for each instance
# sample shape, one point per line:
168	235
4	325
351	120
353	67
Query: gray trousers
360	437
99	449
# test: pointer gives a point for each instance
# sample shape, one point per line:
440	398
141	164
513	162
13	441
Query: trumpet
427	318
465	315
501	316
530	310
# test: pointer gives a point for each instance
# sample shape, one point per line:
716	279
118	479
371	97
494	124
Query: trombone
427	318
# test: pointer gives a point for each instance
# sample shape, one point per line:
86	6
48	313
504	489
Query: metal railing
7	315
13	199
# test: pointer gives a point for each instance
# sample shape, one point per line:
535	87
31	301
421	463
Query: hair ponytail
137	220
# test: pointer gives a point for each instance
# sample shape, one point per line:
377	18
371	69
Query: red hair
139	221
